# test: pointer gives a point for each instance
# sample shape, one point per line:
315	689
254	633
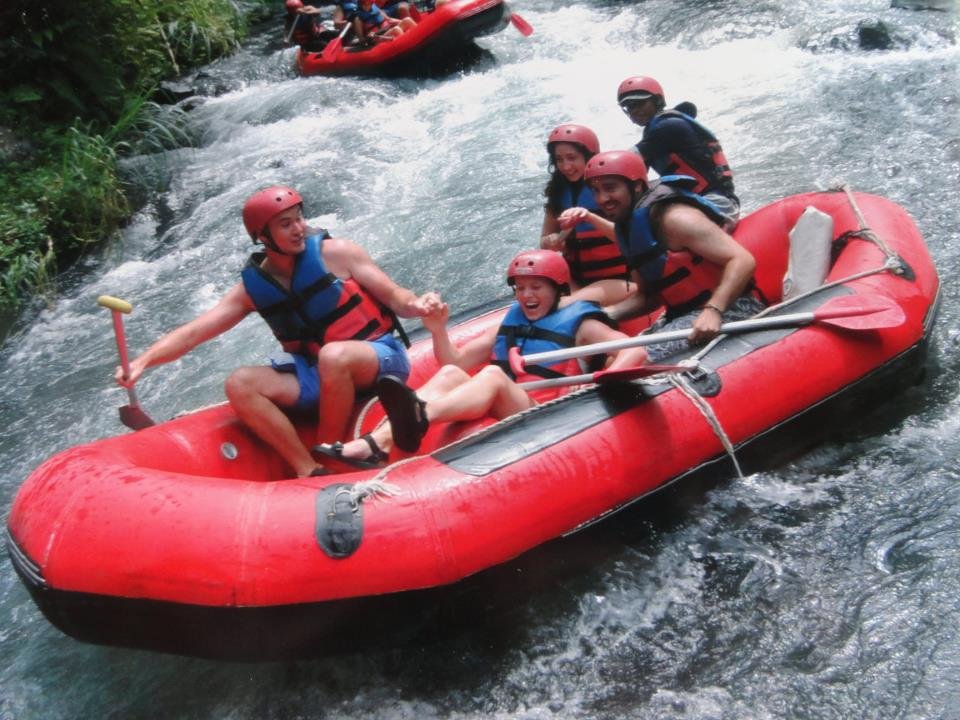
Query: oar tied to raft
848	312
130	415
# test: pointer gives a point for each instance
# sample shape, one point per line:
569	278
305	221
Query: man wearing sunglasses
674	143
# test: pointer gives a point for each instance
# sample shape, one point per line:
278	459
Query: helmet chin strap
269	243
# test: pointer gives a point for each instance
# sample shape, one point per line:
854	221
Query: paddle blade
632	373
860	312
330	52
135	418
414	12
522	25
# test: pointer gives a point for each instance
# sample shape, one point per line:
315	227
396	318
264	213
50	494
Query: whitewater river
827	587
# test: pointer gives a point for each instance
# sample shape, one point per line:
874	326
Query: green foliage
54	208
64	59
76	81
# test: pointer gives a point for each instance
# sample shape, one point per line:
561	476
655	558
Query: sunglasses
627	105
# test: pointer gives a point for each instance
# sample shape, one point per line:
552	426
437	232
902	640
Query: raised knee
452	372
494	373
238	383
332	358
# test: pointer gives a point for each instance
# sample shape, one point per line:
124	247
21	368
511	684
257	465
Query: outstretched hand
437	320
426	304
572	217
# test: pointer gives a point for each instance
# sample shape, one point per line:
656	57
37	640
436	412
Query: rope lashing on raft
690	392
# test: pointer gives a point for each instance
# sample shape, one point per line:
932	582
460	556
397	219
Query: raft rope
369	489
690	392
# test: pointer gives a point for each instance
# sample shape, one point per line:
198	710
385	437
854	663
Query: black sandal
335	451
407	413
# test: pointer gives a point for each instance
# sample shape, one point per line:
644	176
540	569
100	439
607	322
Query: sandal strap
376	450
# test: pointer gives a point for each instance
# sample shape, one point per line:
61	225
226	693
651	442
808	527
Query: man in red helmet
678	253
543	318
333	311
674	143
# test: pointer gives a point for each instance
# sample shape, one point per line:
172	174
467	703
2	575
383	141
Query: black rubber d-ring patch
339	521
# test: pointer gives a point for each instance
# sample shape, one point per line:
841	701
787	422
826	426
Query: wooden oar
522	25
131	415
605	376
850	312
332	49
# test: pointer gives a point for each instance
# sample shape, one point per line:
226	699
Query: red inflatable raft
187	537
439	35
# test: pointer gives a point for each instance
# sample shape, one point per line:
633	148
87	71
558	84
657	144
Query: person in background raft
586	240
371	24
333	310
542	318
678	253
674	143
302	25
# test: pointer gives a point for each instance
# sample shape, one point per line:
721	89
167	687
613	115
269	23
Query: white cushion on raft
809	260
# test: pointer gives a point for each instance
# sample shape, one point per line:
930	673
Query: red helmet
639	87
262	206
539	263
578	134
625	163
293	5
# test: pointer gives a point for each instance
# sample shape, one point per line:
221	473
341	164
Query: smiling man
333	311
674	143
678	253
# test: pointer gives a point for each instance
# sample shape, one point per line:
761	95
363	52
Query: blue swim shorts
390	352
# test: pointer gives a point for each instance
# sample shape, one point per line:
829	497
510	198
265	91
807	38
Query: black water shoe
408	417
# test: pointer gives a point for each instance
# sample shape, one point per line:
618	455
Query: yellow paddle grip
108	301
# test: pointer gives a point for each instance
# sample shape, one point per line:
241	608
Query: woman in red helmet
571	225
328	304
542	318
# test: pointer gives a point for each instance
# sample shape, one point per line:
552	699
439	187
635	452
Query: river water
828	587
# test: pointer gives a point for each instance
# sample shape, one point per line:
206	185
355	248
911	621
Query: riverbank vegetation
78	80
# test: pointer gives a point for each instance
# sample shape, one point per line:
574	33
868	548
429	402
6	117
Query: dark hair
557	182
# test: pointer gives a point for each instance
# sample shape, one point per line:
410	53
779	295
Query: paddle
332	49
130	415
522	25
605	376
293	26
850	312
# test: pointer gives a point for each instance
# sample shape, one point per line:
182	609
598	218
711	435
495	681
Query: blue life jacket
702	159
373	18
555	331
319	307
683	281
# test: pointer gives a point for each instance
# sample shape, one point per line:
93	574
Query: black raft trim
339	528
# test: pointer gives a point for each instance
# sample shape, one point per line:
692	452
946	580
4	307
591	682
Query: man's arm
231	309
685	227
347	259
